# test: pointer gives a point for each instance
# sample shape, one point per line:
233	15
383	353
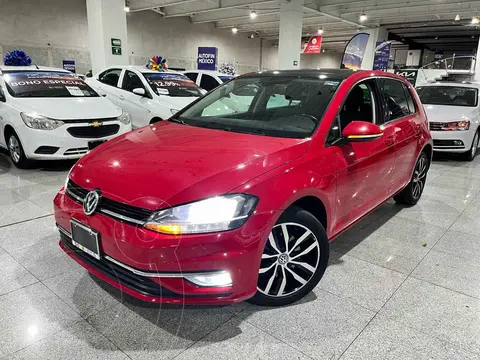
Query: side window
395	98
207	82
192	76
411	103
359	105
335	131
110	77
131	81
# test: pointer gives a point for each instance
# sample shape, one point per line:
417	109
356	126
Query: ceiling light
363	17
127	6
436	37
475	20
253	14
252	36
234	29
323	50
457	17
320	31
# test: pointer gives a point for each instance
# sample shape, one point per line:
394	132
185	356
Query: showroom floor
403	284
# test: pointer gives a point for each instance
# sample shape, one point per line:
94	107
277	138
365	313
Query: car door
134	104
405	121
3	112
363	168
108	83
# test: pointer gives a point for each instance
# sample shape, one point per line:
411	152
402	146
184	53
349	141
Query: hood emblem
91	201
96	124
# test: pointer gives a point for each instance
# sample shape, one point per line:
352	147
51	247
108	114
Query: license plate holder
85	238
93	144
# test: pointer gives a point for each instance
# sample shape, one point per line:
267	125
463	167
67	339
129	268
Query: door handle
389	140
121	97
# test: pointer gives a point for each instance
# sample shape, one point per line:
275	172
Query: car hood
69	108
174	102
168	164
446	113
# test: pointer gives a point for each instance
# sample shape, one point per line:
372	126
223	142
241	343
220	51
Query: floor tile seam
26	220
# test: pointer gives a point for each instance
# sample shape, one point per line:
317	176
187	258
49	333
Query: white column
377	34
106	21
476	69
290	40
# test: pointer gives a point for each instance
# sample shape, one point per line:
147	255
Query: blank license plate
85	239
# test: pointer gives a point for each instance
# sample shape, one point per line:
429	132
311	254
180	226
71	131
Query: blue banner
69	65
382	55
207	58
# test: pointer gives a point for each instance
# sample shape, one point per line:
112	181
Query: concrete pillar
376	35
290	40
107	21
476	66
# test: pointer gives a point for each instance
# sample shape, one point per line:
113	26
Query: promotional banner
314	45
354	51
409	74
69	65
207	58
382	55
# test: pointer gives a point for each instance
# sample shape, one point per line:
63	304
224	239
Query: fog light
215	279
457	142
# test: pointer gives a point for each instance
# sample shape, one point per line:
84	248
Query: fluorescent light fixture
234	29
475	20
457	17
320	31
363	17
126	9
253	14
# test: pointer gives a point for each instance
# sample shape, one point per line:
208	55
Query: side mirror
360	131
139	91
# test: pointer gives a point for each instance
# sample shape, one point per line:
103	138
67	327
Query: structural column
290	40
476	65
376	35
107	31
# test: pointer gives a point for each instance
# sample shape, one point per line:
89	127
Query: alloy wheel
290	259
474	145
14	148
419	177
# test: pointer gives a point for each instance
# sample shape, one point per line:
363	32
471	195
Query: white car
148	96
50	114
453	114
207	79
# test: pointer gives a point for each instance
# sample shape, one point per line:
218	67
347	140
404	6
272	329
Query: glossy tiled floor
403	284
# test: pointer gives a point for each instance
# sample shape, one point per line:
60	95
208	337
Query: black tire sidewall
23	161
468	154
302	217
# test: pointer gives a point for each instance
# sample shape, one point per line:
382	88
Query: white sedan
148	96
50	114
454	116
208	79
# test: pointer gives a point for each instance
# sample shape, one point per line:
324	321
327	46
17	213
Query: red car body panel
168	164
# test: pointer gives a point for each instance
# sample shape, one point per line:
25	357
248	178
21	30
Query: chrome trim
118	216
64	231
79	199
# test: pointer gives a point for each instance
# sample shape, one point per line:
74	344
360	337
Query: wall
324	60
58	29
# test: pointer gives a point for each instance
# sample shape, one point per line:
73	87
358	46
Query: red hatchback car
237	196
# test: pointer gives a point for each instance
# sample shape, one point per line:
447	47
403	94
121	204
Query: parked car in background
218	205
454	116
148	96
50	114
207	79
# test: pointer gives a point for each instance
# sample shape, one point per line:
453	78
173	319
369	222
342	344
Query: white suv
148	96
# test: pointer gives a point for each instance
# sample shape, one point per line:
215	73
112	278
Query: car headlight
124	118
460	125
218	213
39	122
173	111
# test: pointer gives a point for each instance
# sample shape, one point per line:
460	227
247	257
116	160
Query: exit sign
116	42
116	50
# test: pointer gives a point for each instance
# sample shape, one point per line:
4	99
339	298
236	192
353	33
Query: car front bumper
447	141
153	267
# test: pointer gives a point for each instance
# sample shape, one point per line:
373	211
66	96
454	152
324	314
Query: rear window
177	85
448	95
46	84
225	78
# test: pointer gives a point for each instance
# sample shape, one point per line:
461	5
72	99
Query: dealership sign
409	74
207	58
69	65
313	46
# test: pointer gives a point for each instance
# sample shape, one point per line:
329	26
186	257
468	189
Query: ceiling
428	23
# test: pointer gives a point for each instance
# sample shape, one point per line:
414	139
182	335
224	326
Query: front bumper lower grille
448	144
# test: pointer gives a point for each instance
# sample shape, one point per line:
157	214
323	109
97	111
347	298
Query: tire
17	154
470	154
413	191
282	278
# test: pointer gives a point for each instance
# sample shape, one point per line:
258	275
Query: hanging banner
69	65
354	51
382	55
314	45
207	58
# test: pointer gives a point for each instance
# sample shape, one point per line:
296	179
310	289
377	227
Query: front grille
76	151
448	144
92	132
111	208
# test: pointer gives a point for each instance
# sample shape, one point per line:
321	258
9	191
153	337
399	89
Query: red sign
314	45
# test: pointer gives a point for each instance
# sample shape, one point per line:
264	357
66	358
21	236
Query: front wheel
412	193
294	259
16	152
470	155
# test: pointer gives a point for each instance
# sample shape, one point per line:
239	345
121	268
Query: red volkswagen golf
237	196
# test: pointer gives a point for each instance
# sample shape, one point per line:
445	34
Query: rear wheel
470	155
294	259
15	149
412	193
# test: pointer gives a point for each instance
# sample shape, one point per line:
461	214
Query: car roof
211	72
141	68
456	84
31	68
331	73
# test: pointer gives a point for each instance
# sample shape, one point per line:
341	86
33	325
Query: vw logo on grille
91	201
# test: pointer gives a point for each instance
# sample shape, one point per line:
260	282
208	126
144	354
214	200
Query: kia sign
207	58
313	46
409	74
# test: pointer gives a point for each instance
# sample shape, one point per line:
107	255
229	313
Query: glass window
395	98
359	105
131	81
448	95
411	103
192	76
225	78
172	84
278	99
208	83
110	77
46	84
241	106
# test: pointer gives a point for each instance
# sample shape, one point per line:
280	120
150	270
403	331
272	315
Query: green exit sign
116	42
116	50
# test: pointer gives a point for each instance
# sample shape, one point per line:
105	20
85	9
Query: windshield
448	95
177	85
46	84
283	106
